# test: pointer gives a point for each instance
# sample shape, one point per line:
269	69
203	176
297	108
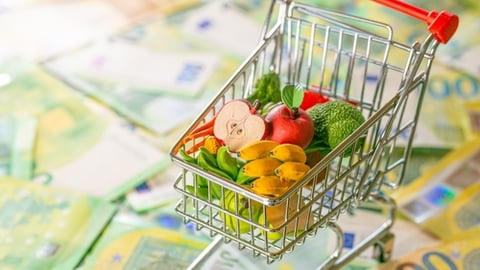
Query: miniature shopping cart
342	57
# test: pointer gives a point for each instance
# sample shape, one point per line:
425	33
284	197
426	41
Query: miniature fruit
270	185
292	171
243	179
288	123
274	218
261	167
256	150
241	206
289	152
238	124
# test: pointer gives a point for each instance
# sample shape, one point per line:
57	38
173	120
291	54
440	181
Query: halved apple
238	123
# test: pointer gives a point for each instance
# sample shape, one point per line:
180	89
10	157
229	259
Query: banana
289	152
270	185
261	167
256	150
291	170
240	206
226	162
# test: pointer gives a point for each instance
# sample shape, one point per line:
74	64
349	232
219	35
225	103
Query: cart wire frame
343	57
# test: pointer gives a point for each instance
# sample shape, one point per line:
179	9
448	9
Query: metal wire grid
316	48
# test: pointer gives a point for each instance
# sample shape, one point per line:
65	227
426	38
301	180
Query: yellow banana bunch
256	150
261	167
289	152
271	167
291	170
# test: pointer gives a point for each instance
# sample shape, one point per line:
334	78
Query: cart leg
383	248
381	238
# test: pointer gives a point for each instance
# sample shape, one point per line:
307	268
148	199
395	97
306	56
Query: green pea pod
187	157
201	181
201	192
208	161
226	162
206	158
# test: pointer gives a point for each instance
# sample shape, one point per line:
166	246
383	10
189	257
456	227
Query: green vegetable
334	121
267	89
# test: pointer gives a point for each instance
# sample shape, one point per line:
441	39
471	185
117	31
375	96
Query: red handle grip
442	25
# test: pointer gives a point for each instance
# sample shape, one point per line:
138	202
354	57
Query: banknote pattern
47	228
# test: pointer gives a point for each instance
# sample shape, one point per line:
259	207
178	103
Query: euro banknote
17	141
157	241
155	192
42	227
444	199
463	253
77	147
153	44
472	109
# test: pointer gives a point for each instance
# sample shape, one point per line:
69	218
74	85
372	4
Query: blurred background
93	93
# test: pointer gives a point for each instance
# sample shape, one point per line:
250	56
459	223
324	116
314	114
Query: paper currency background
86	115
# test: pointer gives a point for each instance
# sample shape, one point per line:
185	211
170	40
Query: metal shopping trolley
342	57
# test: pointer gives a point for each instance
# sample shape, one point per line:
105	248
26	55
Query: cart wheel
383	248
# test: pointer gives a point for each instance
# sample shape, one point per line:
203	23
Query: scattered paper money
463	254
17	141
176	73
133	242
461	215
76	147
445	194
47	228
155	192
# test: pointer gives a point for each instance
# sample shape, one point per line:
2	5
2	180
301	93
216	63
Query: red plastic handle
442	25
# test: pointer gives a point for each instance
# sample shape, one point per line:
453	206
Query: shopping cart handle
441	24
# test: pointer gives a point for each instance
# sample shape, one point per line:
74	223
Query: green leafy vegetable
267	89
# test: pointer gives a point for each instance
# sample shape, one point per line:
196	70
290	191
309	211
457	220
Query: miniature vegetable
311	98
267	89
333	122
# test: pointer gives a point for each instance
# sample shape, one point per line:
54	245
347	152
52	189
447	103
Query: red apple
289	127
289	123
238	123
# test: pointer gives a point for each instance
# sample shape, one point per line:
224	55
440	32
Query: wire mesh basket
343	57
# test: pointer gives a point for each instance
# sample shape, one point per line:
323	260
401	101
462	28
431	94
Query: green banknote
157	240
147	95
17	141
76	145
47	228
